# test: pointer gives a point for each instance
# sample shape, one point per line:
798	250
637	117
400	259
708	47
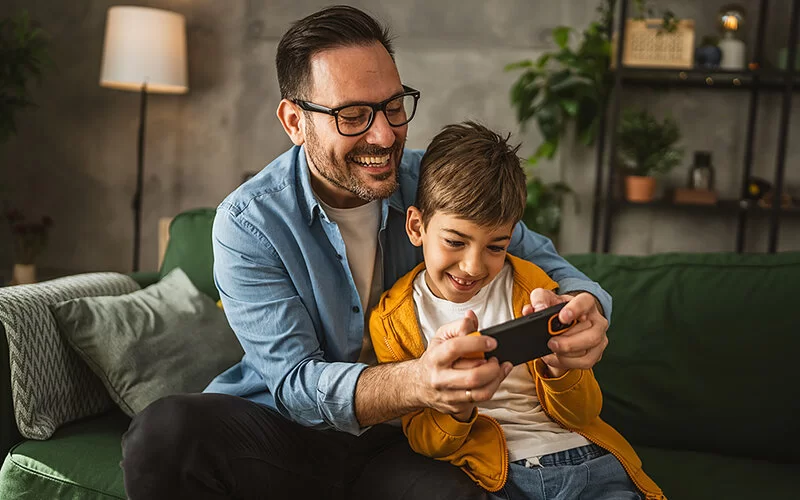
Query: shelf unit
754	82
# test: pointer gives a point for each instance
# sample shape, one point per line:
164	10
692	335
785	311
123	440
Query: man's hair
473	173
329	28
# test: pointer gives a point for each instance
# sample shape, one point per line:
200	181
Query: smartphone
525	338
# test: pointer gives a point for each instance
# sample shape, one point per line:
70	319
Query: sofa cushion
689	475
166	339
702	352
190	249
80	462
50	384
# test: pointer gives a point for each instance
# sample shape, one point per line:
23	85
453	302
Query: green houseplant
23	57
646	147
571	86
543	206
564	86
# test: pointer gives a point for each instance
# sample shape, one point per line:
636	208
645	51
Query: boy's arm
573	399
429	432
535	248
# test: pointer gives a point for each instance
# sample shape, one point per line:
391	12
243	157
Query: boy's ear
291	118
414	225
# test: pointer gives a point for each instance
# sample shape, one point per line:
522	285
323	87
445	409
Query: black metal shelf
707	79
722	207
755	81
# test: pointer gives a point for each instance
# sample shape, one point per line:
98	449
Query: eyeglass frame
380	106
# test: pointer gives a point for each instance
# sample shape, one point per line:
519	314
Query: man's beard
341	174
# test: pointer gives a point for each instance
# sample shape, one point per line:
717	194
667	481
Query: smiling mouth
462	284
372	161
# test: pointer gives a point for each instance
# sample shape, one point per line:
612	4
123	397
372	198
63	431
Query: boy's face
461	257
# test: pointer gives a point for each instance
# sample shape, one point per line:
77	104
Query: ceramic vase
23	274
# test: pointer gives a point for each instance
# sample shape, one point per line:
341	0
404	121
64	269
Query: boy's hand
582	345
451	381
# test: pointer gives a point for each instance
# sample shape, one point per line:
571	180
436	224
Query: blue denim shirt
281	269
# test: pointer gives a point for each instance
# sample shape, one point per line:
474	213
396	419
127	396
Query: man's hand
452	383
582	345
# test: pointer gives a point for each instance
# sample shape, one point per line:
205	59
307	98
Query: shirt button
355	309
339	256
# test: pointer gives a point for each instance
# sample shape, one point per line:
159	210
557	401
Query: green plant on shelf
647	146
570	85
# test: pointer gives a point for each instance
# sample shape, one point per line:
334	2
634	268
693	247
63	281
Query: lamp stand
137	197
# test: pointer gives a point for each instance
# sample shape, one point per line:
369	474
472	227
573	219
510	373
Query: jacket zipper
504	470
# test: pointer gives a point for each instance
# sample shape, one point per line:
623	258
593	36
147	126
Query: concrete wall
74	157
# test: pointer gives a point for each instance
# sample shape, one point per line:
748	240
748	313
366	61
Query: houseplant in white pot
646	147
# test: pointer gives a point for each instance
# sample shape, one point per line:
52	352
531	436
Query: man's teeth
372	160
462	282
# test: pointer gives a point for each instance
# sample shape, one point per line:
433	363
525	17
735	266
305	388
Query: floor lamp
144	51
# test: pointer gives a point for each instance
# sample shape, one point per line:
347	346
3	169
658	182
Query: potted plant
571	86
646	147
23	59
564	86
544	205
29	240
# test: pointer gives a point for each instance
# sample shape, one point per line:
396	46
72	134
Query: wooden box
647	47
684	196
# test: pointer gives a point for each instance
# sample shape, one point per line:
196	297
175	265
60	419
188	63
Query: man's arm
276	331
535	248
440	379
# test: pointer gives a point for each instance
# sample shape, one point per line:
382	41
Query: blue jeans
588	472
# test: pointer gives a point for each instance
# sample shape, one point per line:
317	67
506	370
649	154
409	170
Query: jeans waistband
573	456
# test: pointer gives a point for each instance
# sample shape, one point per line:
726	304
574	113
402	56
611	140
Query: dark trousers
214	446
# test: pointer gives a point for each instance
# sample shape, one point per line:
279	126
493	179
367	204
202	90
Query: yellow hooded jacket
479	446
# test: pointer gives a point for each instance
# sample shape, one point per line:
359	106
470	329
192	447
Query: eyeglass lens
356	119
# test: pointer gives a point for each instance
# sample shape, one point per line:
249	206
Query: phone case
525	338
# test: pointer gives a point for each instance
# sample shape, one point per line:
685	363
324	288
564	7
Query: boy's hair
473	173
332	27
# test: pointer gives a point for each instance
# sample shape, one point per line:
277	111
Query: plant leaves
561	36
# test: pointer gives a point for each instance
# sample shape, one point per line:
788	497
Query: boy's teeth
462	282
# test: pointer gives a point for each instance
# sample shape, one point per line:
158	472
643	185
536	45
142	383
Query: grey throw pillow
168	338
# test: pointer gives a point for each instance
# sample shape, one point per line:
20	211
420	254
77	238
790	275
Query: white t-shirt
359	228
529	431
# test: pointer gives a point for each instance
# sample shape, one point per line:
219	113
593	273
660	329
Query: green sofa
699	375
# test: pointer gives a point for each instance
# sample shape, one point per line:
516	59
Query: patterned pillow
50	383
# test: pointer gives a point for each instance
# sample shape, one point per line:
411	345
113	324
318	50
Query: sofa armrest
9	434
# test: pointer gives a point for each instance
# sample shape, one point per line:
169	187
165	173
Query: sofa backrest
190	249
703	351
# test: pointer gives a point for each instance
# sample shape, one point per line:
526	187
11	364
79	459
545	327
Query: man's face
350	171
461	257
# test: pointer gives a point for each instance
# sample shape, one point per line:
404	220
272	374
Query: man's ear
414	226
291	118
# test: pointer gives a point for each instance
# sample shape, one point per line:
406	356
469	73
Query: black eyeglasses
355	119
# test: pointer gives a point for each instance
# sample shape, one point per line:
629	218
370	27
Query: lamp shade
144	46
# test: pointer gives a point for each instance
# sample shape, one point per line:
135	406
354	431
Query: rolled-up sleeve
538	249
275	329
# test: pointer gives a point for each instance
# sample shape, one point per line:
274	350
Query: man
302	251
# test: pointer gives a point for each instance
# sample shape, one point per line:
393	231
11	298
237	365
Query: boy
541	430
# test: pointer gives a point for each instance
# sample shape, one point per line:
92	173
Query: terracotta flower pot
639	189
23	274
